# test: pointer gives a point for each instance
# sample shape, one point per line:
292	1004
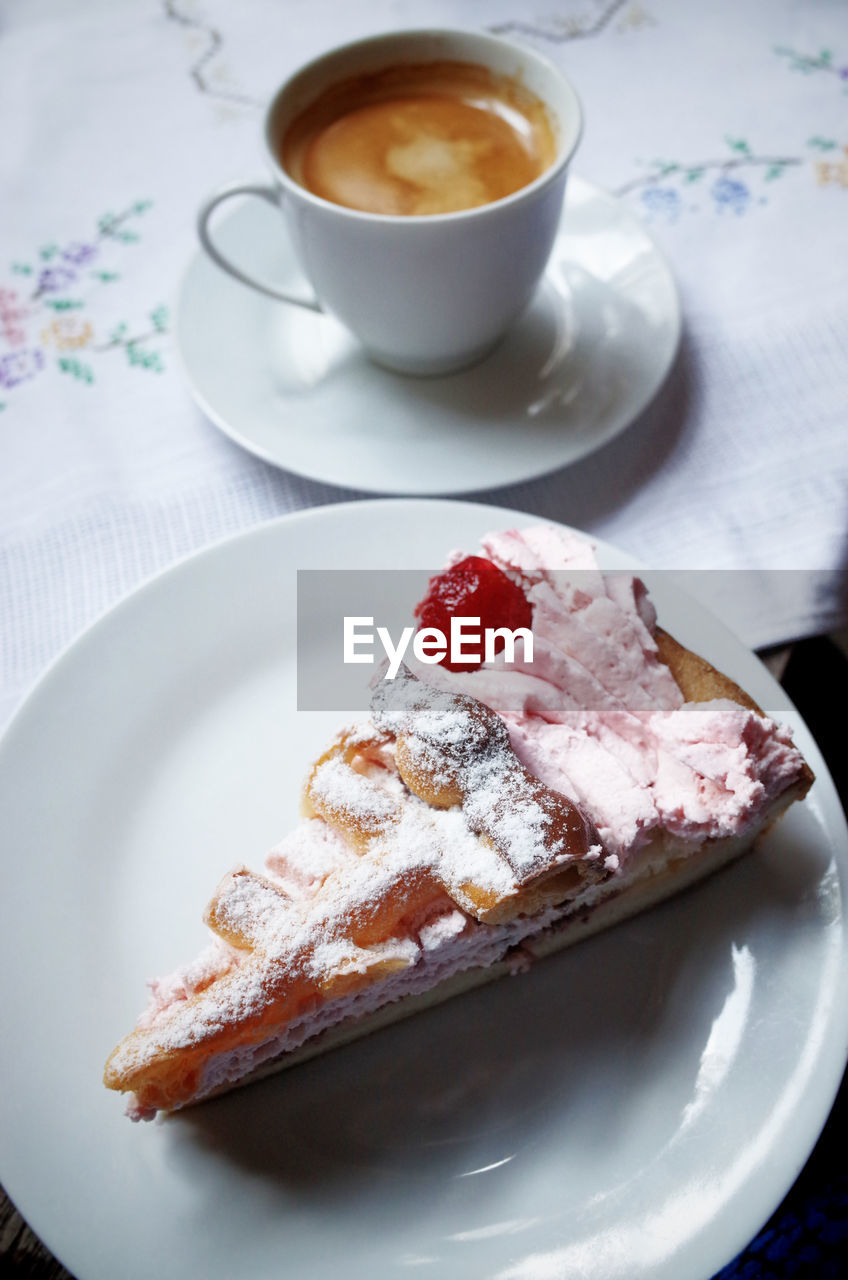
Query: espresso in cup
420	139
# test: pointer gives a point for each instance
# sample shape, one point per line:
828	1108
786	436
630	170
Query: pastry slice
481	817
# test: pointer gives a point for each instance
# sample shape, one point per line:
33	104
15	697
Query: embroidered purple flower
79	254
20	365
730	193
661	202
55	279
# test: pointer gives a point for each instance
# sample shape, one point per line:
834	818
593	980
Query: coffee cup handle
203	230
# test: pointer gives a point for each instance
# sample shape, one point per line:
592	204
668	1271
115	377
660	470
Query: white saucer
294	387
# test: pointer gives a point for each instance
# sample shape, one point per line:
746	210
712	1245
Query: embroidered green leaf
141	206
64	304
21	269
773	171
2	405
82	372
796	61
117	334
126	237
692	175
822	144
739	145
826	57
159	317
105	224
49	251
144	359
106	277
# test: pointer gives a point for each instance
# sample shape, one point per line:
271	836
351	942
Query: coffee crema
420	139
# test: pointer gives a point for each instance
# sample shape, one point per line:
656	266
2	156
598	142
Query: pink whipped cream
598	717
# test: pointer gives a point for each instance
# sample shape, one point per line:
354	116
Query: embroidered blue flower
79	254
663	202
55	279
20	365
730	193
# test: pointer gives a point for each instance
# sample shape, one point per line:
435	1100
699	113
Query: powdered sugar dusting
301	862
351	795
248	908
213	962
452	743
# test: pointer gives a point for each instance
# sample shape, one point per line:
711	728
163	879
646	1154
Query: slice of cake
483	816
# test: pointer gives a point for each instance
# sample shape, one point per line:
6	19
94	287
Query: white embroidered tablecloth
724	127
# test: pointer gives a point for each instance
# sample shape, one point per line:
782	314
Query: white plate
295	389
632	1109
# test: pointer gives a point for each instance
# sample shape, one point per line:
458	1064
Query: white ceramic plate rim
454	521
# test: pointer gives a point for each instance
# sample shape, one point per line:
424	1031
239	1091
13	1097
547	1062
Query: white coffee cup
424	294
